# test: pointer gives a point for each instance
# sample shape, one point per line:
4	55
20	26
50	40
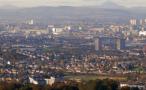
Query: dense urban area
73	56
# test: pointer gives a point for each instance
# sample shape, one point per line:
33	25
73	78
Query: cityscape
73	48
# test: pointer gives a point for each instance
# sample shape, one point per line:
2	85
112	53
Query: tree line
105	84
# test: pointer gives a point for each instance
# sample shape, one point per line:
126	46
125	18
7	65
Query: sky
34	3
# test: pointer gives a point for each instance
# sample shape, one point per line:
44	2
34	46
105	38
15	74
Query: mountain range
107	12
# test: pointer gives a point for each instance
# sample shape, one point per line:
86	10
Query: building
42	81
109	43
133	21
97	44
50	32
30	22
142	32
142	21
140	87
144	49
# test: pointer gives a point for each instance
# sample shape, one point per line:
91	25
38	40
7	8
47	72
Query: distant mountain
6	7
111	5
107	12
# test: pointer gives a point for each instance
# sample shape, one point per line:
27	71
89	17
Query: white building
57	31
50	81
31	22
133	22
142	32
33	81
140	87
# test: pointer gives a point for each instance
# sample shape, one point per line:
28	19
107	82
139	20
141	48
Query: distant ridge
111	5
8	7
107	12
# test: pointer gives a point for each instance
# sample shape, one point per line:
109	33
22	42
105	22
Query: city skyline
35	3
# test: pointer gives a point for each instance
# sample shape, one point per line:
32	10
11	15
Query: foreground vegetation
105	84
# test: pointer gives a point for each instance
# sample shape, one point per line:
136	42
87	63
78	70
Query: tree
26	87
135	88
125	88
103	85
70	88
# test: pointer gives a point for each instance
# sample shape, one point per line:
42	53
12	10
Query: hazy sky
30	3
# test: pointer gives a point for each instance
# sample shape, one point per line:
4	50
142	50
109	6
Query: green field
94	77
